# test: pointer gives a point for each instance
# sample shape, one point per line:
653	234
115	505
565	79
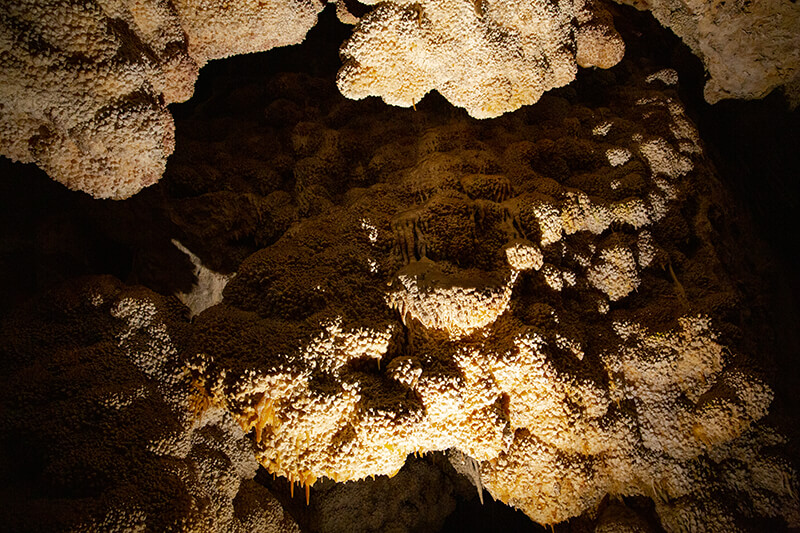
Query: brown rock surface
102	429
563	293
542	292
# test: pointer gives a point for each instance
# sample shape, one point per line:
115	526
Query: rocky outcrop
748	48
84	87
548	295
104	430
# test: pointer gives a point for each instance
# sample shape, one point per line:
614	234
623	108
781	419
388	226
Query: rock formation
549	297
524	295
84	86
418	498
103	429
748	48
489	57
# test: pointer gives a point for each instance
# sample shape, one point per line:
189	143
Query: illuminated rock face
512	292
541	292
84	86
489	57
748	48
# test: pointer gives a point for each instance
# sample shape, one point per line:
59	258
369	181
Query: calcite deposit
103	429
511	292
84	87
548	301
489	57
83	90
208	286
216	29
748	48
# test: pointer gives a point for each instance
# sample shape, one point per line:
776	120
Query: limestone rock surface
748	48
103	429
487	56
560	316
84	86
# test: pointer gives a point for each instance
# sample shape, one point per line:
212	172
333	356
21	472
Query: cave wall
587	239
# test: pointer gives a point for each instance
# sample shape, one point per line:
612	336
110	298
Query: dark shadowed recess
46	237
317	55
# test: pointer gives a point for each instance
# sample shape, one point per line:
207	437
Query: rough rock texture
748	48
216	29
487	56
104	431
418	498
208	286
84	86
542	292
588	227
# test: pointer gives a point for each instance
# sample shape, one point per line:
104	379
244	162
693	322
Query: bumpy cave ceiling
448	265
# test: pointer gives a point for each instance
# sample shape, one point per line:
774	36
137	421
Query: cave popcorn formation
428	338
487	56
748	49
85	87
519	297
110	353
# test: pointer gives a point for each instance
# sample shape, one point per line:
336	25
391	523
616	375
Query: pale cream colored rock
489	57
458	303
210	439
618	156
666	76
84	86
560	415
557	424
95	124
598	44
344	15
134	407
552	276
615	273
646	249
664	160
601	130
580	213
748	48
216	29
208	287
524	255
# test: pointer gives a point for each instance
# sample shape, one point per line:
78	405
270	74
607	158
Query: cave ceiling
399	266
